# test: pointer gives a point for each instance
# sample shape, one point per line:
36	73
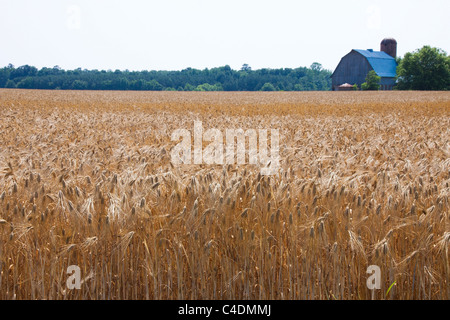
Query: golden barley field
86	179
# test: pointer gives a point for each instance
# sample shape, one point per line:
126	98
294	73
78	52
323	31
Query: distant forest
214	79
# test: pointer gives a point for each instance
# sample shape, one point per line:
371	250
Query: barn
354	67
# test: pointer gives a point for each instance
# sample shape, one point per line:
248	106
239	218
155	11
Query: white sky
176	34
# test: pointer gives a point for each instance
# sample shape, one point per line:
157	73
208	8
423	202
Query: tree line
424	69
214	79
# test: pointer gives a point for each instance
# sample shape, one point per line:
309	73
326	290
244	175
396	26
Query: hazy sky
176	34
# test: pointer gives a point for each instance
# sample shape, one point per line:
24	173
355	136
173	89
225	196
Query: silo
389	45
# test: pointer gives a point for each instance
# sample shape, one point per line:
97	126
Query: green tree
79	85
189	87
4	76
23	71
153	85
208	87
316	67
372	81
120	83
10	84
137	84
218	87
26	83
424	69
268	87
246	67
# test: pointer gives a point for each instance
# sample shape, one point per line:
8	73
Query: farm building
355	66
345	87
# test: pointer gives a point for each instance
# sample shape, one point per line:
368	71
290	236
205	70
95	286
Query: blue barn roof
384	65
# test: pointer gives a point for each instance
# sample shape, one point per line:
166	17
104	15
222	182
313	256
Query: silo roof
384	65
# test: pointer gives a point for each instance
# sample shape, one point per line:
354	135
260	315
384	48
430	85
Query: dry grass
86	179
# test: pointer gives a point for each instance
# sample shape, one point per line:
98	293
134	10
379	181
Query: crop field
87	181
